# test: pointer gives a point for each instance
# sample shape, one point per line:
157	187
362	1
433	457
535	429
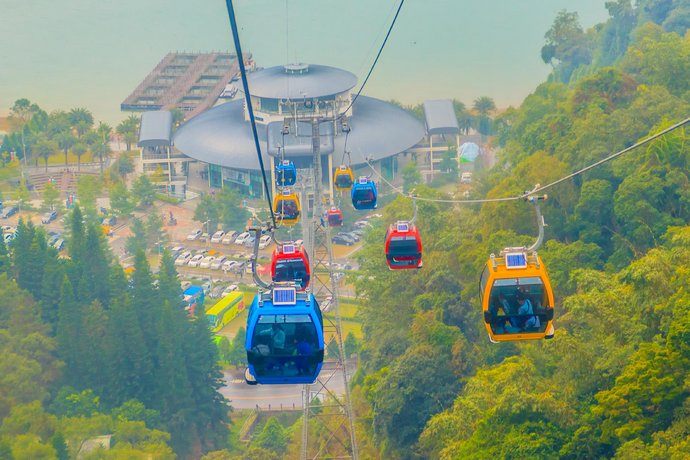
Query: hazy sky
93	53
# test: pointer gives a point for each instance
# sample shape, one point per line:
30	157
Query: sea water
93	53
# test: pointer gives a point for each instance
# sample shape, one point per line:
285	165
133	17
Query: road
243	396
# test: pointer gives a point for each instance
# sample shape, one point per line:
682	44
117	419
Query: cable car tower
334	416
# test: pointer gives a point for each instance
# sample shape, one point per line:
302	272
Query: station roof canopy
221	136
440	117
299	81
156	129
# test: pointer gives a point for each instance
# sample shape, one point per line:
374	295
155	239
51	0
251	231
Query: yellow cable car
517	299
286	207
516	294
343	178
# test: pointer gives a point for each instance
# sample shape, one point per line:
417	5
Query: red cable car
334	217
290	263
403	246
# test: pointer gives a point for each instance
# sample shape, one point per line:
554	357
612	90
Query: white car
242	238
183	258
230	237
195	234
218	236
229	265
196	260
216	264
229	290
466	178
299	242
264	241
207	261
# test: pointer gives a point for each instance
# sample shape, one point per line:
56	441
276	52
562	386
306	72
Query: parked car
466	178
8	237
249	242
230	237
362	224
183	258
9	212
229	265
194	235
352	236
111	220
185	284
343	240
207	261
217	291
176	250
196	260
230	289
242	237
264	241
218	236
59	244
203	237
216	264
49	217
299	242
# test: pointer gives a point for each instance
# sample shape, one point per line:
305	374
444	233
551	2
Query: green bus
225	310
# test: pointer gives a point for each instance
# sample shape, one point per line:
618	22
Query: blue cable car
284	340
364	194
286	174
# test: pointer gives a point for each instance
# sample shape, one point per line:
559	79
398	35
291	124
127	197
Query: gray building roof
221	136
298	81
440	117
155	129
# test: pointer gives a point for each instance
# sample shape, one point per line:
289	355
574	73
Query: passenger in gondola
278	339
500	322
525	308
303	350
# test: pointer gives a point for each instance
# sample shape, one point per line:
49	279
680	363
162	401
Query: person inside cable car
289	209
525	309
502	324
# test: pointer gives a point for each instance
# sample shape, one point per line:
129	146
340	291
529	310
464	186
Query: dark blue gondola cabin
286	174
364	194
403	246
290	263
284	339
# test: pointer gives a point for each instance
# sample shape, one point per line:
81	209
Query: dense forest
614	382
89	351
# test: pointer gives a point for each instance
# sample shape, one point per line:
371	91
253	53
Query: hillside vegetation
614	382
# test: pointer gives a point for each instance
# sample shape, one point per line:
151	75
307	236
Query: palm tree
66	141
103	147
484	105
81	120
129	130
79	149
45	148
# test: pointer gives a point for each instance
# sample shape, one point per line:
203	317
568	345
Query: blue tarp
469	151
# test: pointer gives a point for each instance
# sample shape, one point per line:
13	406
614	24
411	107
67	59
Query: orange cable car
343	178
286	207
515	290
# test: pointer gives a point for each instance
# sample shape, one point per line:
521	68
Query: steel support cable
247	96
376	60
523	196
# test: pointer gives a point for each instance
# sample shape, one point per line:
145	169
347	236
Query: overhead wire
538	189
376	60
245	85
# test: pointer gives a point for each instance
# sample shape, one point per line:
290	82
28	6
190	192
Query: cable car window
291	270
403	246
482	282
284	346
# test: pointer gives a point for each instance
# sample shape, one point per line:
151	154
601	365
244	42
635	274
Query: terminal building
285	99
367	133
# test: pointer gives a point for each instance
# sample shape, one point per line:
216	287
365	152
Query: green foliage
120	200
143	191
411	176
51	196
88	188
272	437
221	208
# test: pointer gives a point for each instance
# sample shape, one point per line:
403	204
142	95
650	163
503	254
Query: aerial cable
247	96
390	29
526	195
615	155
